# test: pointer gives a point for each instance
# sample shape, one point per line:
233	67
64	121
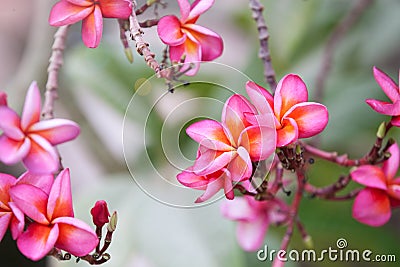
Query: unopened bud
308	242
112	225
3	99
381	130
100	213
150	2
298	149
129	54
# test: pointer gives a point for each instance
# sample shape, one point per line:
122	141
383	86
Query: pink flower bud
3	99
100	213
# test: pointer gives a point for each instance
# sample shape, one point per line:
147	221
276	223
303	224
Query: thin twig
55	63
263	35
335	38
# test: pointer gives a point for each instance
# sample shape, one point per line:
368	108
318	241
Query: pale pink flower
31	140
187	39
53	224
392	90
10	215
295	117
91	12
372	205
254	218
227	149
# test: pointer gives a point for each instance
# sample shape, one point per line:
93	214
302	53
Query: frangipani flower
227	149
373	204
53	222
10	215
294	116
31	140
186	39
392	90
254	218
91	12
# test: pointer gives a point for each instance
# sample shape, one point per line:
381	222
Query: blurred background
133	142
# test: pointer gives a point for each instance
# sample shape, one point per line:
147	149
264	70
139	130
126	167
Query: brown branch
55	63
263	35
335	38
330	190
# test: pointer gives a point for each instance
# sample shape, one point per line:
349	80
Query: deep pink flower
53	222
254	218
100	213
91	12
373	204
294	116
227	149
186	39
10	215
392	90
31	140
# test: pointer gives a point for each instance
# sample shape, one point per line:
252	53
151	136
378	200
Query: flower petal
60	197
6	181
184	7
75	237
10	123
290	91
389	87
31	110
391	165
192	55
311	118
213	186
240	168
37	240
372	207
17	221
42	181
395	121
251	234
371	176
92	28
385	108
394	190
190	179
56	131
210	161
13	151
198	7
288	133
169	31
259	141
42	158
210	134
30	200
120	9
260	97
233	115
238	209
66	13
211	43
5	218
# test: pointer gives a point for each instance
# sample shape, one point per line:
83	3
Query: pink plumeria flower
10	215
392	90
373	204
53	222
254	218
91	12
186	39
227	149
294	117
31	140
